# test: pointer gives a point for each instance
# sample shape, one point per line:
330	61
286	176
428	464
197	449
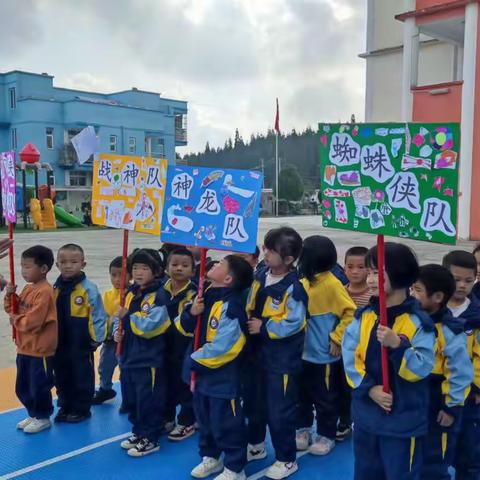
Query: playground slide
43	218
66	218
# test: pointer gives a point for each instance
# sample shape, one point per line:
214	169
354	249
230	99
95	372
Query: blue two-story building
130	122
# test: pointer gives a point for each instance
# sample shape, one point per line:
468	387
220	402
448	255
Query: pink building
422	66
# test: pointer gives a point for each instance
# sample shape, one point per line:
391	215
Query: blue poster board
212	208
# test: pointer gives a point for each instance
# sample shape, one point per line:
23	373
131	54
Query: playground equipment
41	211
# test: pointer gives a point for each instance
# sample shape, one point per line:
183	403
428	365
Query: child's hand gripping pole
123	288
12	276
383	307
201	281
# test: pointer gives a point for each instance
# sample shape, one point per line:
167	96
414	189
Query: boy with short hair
36	339
356	272
217	402
277	308
179	290
108	353
463	267
451	375
81	329
142	362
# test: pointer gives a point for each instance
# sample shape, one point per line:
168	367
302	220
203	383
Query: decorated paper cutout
362	211
330	173
128	192
376	219
375	163
446	159
442	138
341	213
397	131
426	151
324	139
349	178
221	209
332	192
436	215
396	145
381	132
448	192
385	209
409	162
379	195
9	185
438	183
418	140
362	196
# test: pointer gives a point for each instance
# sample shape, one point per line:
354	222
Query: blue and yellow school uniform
178	391
142	361
273	392
217	390
389	445
467	456
81	327
330	311
449	387
108	357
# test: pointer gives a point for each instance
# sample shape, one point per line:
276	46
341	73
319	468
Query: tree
290	184
238	139
207	148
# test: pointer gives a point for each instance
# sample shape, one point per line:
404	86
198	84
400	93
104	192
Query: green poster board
393	179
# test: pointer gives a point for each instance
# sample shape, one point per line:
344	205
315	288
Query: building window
113	143
13	98
14	138
159	147
49	136
132	145
79	179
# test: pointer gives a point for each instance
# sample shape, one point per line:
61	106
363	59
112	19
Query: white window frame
12	96
49	132
113	143
77	176
132	145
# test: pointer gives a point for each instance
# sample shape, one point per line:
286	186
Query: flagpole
276	174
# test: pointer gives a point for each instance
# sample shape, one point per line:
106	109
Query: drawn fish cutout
212	177
250	207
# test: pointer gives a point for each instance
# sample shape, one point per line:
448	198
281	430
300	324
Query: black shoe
343	431
143	447
102	395
61	416
123	409
78	417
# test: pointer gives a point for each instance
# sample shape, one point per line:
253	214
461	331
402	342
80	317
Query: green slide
66	218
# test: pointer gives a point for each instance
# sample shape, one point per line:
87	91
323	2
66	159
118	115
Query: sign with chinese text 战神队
128	192
391	179
212	208
9	185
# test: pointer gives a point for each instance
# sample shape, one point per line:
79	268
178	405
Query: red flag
277	120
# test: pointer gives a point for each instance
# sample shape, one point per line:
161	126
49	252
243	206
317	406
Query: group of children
284	343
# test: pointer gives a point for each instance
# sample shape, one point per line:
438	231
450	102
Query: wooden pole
383	307
123	286
201	283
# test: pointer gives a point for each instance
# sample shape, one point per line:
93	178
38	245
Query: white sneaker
229	475
322	446
256	452
208	467
37	425
302	439
281	470
21	425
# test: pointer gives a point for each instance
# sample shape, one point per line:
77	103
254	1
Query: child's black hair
401	264
144	255
241	271
436	278
285	241
40	255
460	258
356	252
184	252
318	255
476	249
72	247
256	254
209	265
115	263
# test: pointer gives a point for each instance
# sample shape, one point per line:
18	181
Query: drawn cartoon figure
184	224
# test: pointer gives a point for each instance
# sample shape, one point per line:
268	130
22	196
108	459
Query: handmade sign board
212	208
128	192
397	179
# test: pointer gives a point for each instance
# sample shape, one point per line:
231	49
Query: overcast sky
228	58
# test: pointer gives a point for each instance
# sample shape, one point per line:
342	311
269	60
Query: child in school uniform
35	323
389	427
452	373
217	402
463	267
330	311
276	308
108	353
81	329
179	290
144	321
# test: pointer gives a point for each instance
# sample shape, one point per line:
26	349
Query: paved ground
102	245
